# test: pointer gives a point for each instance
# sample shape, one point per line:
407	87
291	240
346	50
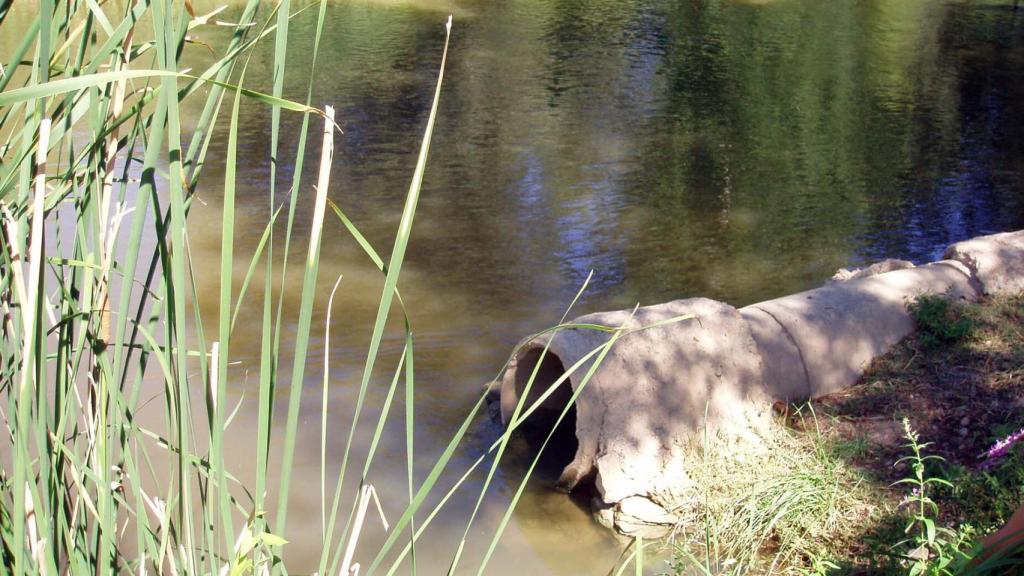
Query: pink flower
1000	449
914	496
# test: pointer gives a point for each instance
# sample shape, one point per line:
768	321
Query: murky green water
736	150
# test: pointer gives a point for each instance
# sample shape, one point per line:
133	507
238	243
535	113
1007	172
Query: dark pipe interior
562	447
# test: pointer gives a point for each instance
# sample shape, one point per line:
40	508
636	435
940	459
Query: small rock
645	511
844	274
965	421
963	432
604	514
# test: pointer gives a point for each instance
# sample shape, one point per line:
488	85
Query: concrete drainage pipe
660	390
646	402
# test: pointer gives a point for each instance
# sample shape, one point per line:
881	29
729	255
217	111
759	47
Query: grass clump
988	494
778	509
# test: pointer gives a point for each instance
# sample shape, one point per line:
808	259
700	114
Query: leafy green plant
940	321
932	549
252	551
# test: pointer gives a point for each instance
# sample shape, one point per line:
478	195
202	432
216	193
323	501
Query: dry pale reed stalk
28	291
214	373
160	511
322	183
323	410
13	228
365	495
35	544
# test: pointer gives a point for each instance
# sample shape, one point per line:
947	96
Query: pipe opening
561	449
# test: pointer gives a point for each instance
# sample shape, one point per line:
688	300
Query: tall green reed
94	151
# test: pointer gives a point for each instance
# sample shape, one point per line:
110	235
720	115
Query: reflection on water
736	150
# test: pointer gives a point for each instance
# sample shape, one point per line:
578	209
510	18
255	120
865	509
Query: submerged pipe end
545	368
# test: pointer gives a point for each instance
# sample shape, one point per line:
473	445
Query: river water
734	150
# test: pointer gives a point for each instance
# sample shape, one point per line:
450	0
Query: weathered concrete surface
785	376
888	265
658	390
839	328
996	262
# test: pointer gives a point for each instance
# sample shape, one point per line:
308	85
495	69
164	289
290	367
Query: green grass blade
39	91
410	434
323	413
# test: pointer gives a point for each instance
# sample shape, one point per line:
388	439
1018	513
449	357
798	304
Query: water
735	150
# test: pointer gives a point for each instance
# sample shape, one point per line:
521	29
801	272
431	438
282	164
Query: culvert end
545	368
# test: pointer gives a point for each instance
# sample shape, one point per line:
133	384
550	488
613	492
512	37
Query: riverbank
839	501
